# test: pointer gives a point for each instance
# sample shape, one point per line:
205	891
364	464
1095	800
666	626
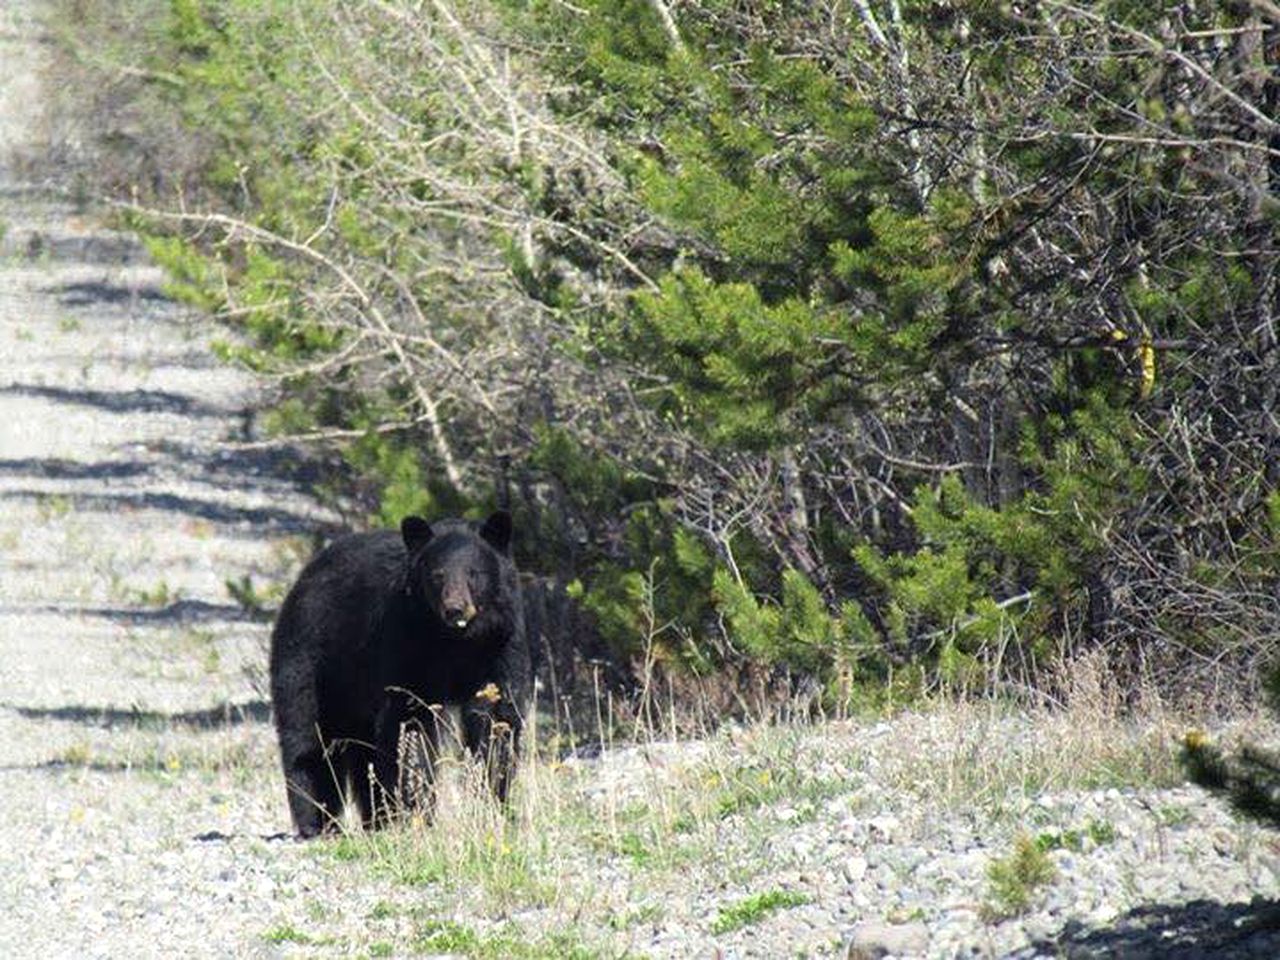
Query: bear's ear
416	533
497	531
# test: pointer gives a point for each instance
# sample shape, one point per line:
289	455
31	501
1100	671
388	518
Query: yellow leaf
1147	354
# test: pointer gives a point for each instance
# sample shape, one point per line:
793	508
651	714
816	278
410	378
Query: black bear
379	632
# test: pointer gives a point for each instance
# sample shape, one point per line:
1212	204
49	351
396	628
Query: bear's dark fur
380	629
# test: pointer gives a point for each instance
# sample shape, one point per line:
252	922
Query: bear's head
457	567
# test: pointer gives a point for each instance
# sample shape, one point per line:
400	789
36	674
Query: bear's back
342	592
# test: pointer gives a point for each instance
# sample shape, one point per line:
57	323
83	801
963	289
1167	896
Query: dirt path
132	718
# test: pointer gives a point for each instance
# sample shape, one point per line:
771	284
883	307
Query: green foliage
760	248
1013	881
1034	550
448	937
192	278
405	490
755	908
653	611
1098	832
256	602
799	631
739	365
287	933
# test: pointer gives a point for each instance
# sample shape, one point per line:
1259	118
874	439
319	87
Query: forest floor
144	813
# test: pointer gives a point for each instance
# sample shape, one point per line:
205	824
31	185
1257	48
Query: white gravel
122	514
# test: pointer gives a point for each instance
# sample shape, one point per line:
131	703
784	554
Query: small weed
650	913
317	911
254	601
755	908
633	845
1173	815
383	910
69	324
160	595
750	788
382	948
76	755
468	856
287	933
902	915
53	506
447	937
1100	831
203	643
199	529
1062	840
1014	880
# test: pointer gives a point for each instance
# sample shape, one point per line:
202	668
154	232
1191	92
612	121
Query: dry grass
610	842
991	755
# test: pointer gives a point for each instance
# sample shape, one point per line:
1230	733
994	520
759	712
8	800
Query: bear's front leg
408	742
491	728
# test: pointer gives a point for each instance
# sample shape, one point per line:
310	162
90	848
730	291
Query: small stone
885	825
855	868
873	940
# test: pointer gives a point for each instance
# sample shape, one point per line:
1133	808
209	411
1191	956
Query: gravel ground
131	717
142	803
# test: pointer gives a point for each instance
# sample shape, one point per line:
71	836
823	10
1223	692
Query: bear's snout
456	606
459	616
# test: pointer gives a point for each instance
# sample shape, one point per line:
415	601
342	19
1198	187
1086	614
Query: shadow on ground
56	468
281	461
178	613
119	401
212	718
1200	928
88	293
261	519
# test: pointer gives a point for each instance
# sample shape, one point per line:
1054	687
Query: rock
885	826
855	868
872	940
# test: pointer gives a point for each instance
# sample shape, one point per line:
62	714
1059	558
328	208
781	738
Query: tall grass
611	838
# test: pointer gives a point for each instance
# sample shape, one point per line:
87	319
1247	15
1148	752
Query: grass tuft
755	908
